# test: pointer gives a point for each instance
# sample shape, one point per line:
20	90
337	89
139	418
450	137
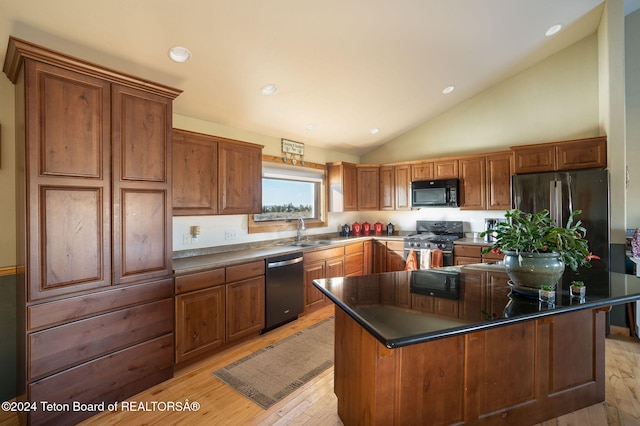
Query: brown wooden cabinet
485	181
387	188
368	182
388	256
216	307
214	175
465	254
343	187
93	229
200	322
239	178
473	183
499	168
195	174
395	187
446	169
402	177
325	263
422	171
567	155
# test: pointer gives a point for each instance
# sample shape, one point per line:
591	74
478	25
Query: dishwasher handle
284	262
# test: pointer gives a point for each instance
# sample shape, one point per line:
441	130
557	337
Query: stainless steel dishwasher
284	290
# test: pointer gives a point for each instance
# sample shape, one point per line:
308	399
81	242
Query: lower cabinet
327	263
465	254
217	307
388	256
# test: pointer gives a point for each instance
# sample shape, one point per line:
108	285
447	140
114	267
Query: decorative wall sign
292	150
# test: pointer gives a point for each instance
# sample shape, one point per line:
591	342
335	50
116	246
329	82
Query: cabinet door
335	267
343	187
239	178
473	184
422	171
368	181
69	182
312	296
200	322
367	256
245	307
499	170
445	169
533	159
195	174
379	257
395	256
141	136
582	154
402	177
387	188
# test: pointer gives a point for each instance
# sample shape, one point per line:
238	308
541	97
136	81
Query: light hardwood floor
315	403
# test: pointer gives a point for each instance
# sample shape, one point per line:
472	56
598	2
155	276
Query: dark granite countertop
197	261
409	307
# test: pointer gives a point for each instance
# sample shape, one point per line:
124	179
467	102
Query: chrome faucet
300	229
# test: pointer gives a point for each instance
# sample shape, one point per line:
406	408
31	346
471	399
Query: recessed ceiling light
179	54
311	127
552	30
448	90
374	131
269	89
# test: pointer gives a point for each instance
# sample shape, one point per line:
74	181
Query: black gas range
431	235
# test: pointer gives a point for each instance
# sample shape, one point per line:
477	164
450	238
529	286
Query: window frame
291	225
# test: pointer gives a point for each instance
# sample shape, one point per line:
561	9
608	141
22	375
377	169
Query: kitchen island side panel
515	374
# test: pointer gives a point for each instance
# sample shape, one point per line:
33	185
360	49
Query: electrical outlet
230	234
186	239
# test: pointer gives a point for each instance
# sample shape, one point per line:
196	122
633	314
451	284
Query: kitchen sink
307	243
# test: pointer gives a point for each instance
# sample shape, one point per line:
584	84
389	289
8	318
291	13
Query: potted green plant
578	289
537	250
547	294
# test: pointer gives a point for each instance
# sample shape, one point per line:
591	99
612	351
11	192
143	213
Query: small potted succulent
578	289
547	294
537	250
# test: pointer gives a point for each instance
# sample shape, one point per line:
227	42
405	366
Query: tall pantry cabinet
95	296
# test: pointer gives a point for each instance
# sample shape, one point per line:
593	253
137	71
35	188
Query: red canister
366	228
356	228
377	228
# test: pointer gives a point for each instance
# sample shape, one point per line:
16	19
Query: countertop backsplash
216	232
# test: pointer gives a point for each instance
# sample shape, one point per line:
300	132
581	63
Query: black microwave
434	193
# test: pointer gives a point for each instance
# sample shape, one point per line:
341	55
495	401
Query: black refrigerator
563	192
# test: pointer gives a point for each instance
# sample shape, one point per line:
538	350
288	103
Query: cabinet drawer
467	251
199	280
492	257
244	271
74	308
318	255
113	377
353	248
395	246
70	344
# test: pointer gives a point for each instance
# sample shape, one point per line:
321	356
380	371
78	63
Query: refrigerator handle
555	201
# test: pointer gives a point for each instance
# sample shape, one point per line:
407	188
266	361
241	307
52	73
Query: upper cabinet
213	175
568	155
343	187
473	183
499	168
94	173
368	182
446	168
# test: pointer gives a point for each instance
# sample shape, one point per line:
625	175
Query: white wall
632	91
556	99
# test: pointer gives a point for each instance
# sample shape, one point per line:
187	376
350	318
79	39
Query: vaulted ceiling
342	68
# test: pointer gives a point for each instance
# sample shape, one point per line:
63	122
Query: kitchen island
456	346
